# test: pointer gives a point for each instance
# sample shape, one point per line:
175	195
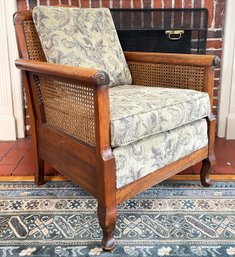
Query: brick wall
215	22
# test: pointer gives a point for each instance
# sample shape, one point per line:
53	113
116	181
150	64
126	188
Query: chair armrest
89	77
187	71
74	100
173	59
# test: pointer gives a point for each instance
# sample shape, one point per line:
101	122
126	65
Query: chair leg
209	162
107	220
207	168
39	172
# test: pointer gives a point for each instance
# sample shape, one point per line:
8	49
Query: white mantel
11	102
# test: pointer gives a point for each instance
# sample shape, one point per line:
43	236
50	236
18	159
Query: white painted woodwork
11	97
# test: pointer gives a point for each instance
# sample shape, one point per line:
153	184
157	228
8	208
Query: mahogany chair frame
92	167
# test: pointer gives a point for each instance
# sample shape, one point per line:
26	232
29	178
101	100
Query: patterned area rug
171	219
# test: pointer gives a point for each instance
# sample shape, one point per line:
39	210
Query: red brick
197	168
74	2
32	4
231	143
22	5
43	2
147	4
106	3
49	171
214	52
116	4
157	4
126	4
13	157
167	3
178	3
5	148
64	2
197	3
53	2
217	73
95	3
137	4
187	4
209	4
216	83
26	166
214	34
24	143
85	3
187	20
215	102
188	171
220	6
214	44
220	157
224	169
215	111
6	170
216	92
230	154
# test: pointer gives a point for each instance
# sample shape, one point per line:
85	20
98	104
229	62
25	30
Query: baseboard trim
226	177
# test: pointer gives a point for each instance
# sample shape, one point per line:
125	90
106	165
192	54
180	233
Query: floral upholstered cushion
82	37
138	112
142	157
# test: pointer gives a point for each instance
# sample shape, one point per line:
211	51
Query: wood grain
177	59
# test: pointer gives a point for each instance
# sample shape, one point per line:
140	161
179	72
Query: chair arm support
177	59
88	77
52	91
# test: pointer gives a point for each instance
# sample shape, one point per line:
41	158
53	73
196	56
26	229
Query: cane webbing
167	75
34	47
69	107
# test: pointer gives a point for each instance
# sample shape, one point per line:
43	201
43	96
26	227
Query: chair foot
207	168
108	244
107	220
39	173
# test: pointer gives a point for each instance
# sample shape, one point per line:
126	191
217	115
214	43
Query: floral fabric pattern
82	37
142	157
138	112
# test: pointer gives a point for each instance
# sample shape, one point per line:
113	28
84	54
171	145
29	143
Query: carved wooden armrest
173	70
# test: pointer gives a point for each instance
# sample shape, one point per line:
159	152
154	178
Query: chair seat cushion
144	156
138	112
82	37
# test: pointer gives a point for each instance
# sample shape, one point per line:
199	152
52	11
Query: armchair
116	142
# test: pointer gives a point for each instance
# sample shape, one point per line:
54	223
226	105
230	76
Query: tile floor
16	158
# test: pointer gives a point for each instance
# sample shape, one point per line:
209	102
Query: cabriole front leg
207	168
209	163
107	220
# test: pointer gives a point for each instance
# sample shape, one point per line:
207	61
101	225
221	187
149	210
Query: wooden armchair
71	121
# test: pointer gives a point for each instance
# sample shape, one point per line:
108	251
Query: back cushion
82	37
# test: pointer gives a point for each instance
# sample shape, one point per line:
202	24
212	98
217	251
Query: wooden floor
16	159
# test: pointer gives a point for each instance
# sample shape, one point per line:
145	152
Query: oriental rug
59	219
